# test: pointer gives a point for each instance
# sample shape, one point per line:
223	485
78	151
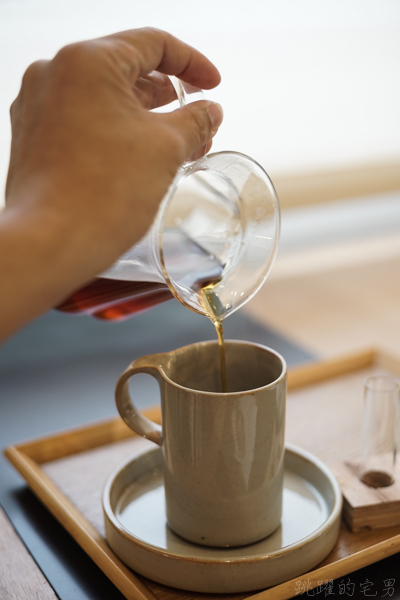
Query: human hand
88	160
90	164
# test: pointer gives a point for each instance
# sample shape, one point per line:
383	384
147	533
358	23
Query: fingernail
216	115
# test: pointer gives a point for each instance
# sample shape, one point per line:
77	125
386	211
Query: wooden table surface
337	311
19	575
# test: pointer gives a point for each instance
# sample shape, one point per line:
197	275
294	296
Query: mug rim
269	350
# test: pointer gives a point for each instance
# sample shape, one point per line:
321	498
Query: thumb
196	124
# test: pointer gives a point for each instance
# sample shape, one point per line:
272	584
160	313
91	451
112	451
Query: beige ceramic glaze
223	453
136	529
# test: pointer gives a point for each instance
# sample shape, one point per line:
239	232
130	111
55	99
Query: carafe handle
185	92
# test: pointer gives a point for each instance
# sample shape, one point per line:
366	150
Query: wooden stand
364	506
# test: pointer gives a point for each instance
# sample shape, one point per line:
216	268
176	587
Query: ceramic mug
223	452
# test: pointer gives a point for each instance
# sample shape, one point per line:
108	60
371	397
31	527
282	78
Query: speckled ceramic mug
223	452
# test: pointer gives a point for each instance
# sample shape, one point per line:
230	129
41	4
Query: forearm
38	268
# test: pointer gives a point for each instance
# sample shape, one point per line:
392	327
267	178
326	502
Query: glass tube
380	430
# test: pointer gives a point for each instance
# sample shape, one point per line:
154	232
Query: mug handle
126	407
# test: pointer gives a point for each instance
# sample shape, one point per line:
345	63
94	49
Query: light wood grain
319	371
367	507
325	417
321	186
357	559
79	439
335	313
20	577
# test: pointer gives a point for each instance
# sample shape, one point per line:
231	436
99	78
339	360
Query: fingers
196	124
23	120
145	57
30	81
156	50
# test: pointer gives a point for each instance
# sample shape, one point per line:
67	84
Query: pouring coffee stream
215	313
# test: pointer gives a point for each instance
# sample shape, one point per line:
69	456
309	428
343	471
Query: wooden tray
67	472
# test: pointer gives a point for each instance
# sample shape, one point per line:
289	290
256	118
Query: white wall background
307	84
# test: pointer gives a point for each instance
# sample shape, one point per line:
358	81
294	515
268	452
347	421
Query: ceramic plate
136	529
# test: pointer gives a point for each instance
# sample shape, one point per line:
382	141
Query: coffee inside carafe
116	299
